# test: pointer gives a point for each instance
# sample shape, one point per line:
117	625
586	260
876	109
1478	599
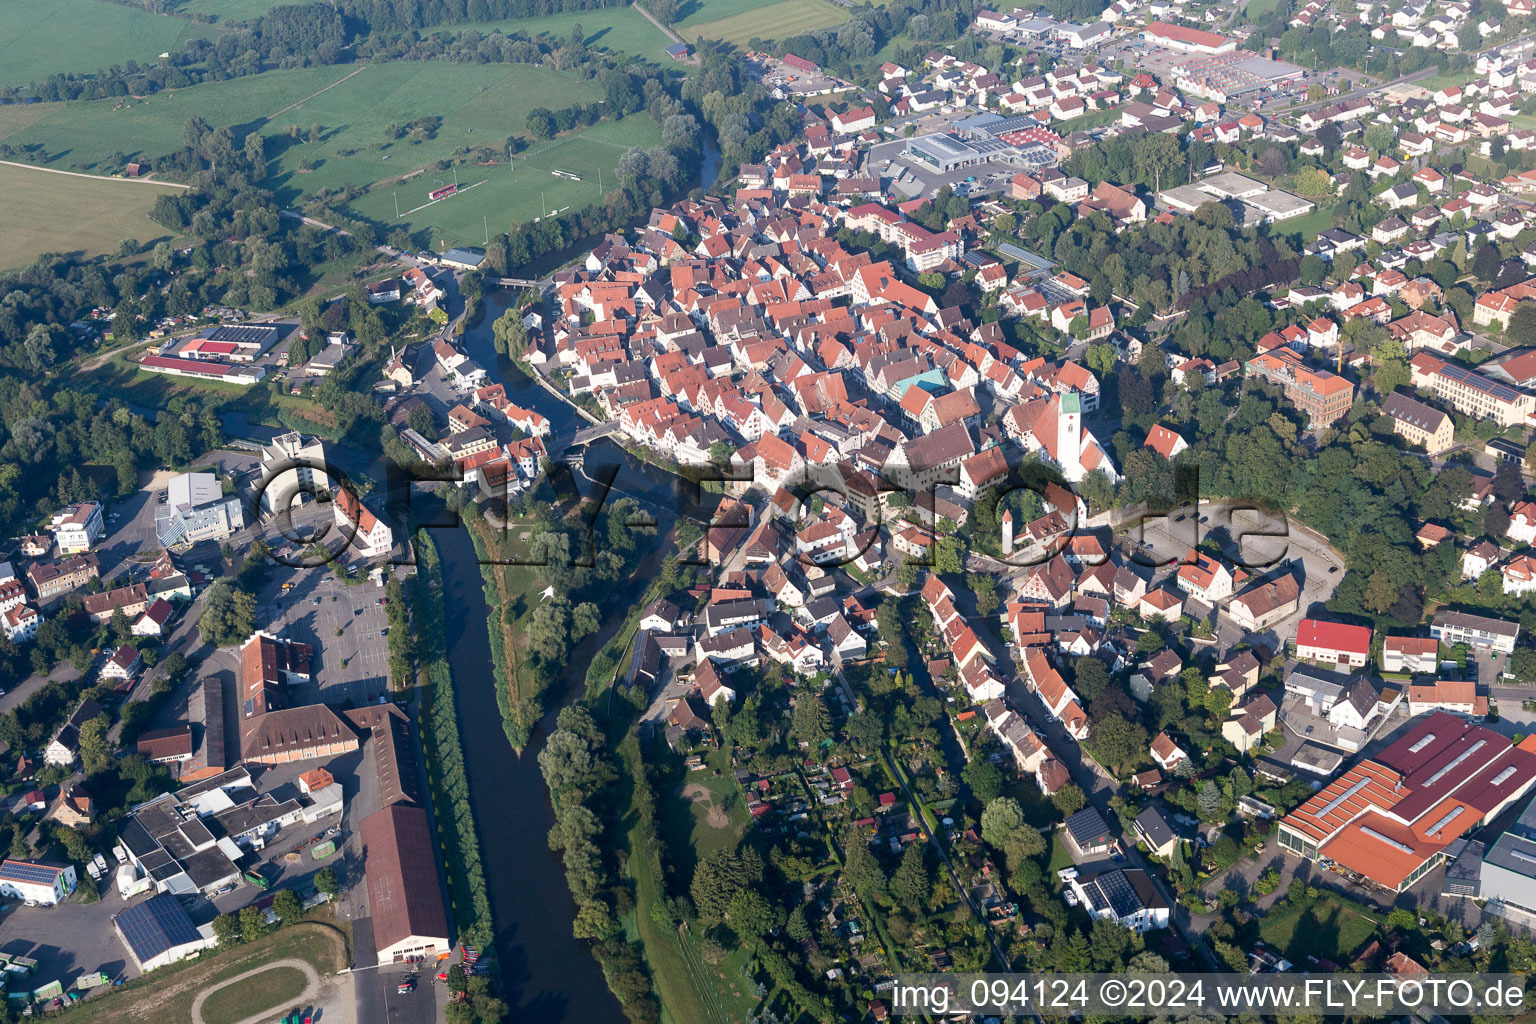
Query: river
547	975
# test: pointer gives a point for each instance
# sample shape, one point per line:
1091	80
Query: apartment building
1420	424
1471	393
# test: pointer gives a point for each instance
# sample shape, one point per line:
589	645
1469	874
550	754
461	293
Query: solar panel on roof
21	871
156	925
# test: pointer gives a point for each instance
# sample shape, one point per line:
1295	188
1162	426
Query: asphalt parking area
345	622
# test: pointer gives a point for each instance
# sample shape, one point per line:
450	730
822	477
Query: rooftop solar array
22	871
156	925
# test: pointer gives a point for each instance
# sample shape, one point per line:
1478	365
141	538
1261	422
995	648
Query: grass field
1327	929
1257	9
225	10
479	105
63	213
775	21
269	991
611	28
521	191
167	995
83	35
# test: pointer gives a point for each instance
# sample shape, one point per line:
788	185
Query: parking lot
70	939
345	622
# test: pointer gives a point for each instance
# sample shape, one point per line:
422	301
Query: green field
517	193
225	10
270	990
63	213
610	28
481	105
1327	929
775	21
1257	9
83	35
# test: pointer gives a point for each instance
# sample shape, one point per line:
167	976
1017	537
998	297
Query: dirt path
311	989
94	177
306	99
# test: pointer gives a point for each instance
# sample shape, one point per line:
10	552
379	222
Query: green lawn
773	21
481	105
1257	9
43	39
1328	929
1309	225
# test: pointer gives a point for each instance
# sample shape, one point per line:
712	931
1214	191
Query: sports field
48	212
42	39
775	21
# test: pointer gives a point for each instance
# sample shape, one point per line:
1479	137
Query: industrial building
404	896
1390	818
158	932
197	509
1237	74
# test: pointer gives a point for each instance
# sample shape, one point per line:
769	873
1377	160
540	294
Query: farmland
480	105
66	213
83	35
774	21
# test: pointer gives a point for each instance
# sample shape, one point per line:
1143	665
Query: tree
1208	801
1522	324
1091	679
1001	818
286	906
1485	264
719	877
863	871
1119	742
1218	703
911	884
1109	946
986	779
811	723
95	747
226	929
253	925
325	882
541	123
1069	799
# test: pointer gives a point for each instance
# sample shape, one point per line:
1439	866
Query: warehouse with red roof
1389	819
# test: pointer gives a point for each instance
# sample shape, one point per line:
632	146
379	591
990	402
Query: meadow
774	21
83	36
520	192
610	28
480	105
65	213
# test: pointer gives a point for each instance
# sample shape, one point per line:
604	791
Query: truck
254	877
